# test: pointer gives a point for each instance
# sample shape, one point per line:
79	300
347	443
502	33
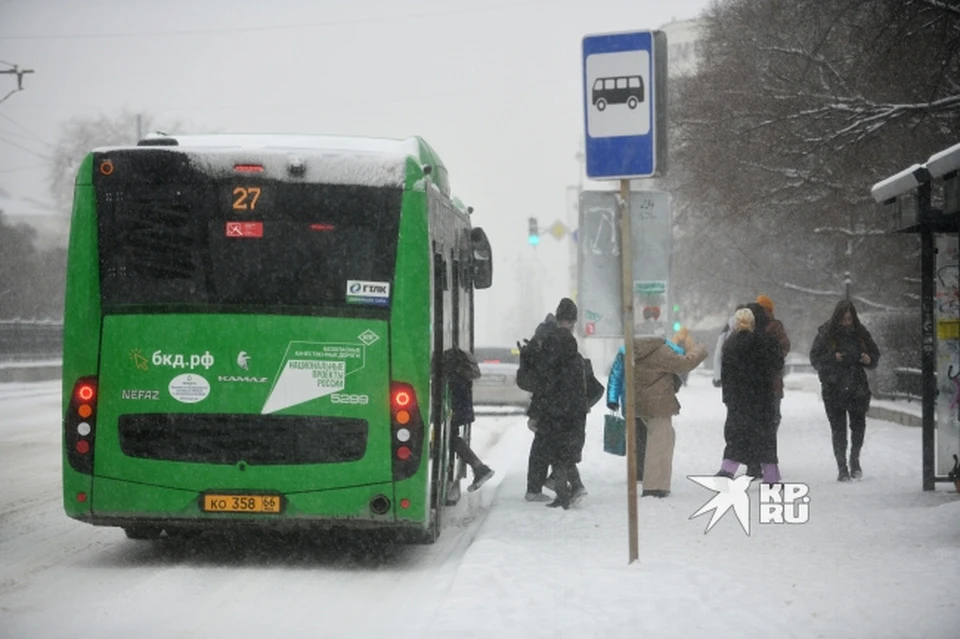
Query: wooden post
630	414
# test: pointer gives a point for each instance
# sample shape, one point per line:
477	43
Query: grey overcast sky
493	85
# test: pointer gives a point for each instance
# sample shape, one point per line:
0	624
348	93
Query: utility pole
17	71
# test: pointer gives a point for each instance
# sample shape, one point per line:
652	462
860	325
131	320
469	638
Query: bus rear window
228	242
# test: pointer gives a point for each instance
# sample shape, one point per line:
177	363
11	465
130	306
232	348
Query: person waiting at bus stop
656	363
558	412
460	369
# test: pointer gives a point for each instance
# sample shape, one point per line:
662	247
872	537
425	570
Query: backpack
530	375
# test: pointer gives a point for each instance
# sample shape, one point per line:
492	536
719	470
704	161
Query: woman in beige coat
655	364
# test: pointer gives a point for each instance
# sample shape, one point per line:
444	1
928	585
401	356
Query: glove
532	424
613	406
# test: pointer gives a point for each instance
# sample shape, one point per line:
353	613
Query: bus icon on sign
625	89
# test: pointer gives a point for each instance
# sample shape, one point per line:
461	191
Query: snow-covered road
878	558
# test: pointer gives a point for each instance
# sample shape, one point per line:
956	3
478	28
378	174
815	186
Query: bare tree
796	109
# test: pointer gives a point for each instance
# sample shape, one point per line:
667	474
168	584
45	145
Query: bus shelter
925	199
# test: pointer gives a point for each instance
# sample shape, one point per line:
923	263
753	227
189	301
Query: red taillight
406	429
402	397
82	497
86	392
80	425
248	168
322	227
404	503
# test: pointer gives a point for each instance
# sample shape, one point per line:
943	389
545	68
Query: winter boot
855	471
771	473
560	502
579	493
844	474
480	477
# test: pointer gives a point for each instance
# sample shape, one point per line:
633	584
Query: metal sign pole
626	268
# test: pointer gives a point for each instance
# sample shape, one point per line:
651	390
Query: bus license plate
241	504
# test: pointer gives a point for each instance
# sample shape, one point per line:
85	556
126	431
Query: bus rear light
248	168
402	398
404	503
80	425
407	429
85	392
82	497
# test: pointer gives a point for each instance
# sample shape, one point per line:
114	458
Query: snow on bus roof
408	146
326	158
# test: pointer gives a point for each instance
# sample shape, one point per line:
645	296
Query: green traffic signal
676	326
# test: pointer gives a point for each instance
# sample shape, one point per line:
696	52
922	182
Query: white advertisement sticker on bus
375	293
189	388
312	370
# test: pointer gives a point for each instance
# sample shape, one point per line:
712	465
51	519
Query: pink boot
771	473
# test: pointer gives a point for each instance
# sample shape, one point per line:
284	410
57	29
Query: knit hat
766	303
566	310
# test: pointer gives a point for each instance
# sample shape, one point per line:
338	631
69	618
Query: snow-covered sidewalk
878	557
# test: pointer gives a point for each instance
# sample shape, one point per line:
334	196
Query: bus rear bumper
370	507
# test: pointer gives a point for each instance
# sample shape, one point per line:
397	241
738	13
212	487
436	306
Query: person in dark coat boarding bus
841	352
461	369
751	359
558	409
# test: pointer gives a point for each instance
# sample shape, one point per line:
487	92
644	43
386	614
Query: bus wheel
433	533
601	104
143	532
632	102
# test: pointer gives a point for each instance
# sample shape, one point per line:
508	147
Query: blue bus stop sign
624	100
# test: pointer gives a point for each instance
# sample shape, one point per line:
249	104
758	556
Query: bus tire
433	533
632	102
142	532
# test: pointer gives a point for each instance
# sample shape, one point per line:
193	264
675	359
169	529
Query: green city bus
252	334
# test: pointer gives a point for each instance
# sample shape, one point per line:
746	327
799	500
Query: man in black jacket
558	411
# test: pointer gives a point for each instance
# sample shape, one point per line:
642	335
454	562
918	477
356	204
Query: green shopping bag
614	435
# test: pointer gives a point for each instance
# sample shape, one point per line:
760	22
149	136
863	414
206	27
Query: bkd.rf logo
782	503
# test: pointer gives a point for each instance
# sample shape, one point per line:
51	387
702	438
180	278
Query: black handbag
594	388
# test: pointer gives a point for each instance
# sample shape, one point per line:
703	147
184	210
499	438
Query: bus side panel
81	321
410	314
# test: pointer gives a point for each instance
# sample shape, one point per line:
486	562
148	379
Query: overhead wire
40	155
28	131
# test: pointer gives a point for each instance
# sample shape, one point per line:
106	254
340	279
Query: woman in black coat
841	352
749	360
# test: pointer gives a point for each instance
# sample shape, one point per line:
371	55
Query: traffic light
533	231
676	318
